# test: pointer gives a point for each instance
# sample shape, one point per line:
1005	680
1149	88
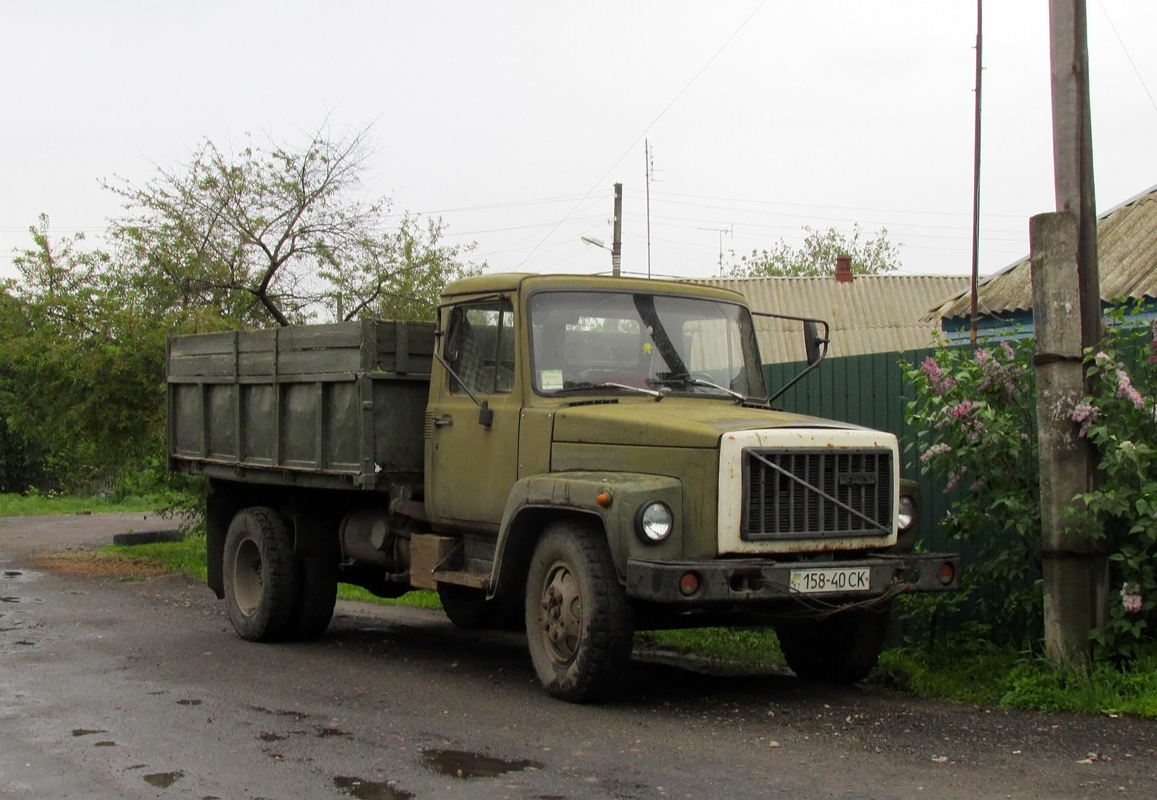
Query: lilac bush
974	414
975	418
1120	419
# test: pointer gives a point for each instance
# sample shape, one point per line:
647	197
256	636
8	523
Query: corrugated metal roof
872	314
1127	250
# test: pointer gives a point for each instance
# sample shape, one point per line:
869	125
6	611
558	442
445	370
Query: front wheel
578	619
842	648
260	575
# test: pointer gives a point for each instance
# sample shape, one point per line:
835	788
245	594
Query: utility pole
617	242
1064	266
976	175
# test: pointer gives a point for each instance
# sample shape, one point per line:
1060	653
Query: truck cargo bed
330	406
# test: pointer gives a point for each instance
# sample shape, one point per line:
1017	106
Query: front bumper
746	580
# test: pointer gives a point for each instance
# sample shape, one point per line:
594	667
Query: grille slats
777	506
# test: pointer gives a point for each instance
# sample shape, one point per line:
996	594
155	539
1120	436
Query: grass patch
1007	678
35	505
186	556
755	646
419	598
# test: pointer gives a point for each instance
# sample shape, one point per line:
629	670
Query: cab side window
480	347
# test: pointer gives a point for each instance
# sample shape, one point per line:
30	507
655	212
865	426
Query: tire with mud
260	575
840	649
464	606
578	618
469	609
316	597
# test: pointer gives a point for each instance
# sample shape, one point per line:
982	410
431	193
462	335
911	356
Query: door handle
442	422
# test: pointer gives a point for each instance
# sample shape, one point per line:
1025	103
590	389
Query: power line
666	108
1127	55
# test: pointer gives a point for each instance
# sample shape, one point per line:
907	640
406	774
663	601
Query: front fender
538	500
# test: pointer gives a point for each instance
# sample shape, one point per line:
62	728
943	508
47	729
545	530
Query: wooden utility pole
976	174
1064	268
617	242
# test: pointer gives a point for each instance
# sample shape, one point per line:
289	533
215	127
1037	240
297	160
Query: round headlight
654	521
907	512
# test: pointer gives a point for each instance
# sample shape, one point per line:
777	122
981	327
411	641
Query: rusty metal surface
1127	248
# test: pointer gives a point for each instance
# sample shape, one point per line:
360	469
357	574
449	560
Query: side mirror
812	341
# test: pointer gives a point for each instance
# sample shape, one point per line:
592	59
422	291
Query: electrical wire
666	108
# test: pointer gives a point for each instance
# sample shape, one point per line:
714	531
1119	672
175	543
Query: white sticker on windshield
550	380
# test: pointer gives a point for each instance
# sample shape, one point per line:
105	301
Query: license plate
846	579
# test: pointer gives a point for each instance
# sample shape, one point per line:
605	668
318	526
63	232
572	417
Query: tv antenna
730	231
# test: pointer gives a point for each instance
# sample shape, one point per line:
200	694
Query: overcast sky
512	120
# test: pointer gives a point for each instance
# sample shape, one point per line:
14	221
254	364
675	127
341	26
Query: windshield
619	341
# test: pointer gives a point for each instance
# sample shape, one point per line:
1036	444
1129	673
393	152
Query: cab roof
529	281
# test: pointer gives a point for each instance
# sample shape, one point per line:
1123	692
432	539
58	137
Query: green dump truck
582	456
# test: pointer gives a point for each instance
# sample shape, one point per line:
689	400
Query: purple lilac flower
1008	351
935	450
1131	597
1086	414
964	409
1102	360
1126	389
954	479
939	381
978	486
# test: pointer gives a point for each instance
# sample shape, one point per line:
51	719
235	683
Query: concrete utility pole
617	242
1066	320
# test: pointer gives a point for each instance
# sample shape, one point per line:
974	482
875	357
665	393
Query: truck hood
674	422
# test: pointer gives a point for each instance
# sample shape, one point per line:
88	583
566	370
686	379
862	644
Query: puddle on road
163	780
188	702
105	744
270	736
326	733
12	573
369	790
298	716
26	643
86	731
464	764
9	599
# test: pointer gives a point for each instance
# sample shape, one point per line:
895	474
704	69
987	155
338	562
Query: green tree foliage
276	235
280	235
816	257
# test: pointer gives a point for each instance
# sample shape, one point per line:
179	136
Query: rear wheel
465	607
260	575
578	619
842	648
316	597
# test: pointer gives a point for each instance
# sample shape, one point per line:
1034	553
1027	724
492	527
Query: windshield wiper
578	387
687	380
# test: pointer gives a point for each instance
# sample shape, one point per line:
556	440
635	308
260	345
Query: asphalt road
113	689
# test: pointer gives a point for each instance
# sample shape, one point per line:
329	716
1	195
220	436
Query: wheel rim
248	577
560	620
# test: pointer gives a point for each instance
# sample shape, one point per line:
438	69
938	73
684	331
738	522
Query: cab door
473	465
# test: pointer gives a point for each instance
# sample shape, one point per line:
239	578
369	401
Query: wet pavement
112	689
